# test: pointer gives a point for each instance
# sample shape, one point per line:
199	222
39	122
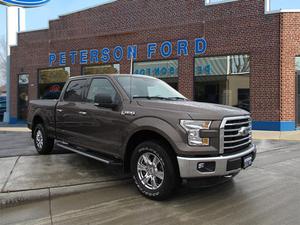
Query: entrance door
23	82
208	92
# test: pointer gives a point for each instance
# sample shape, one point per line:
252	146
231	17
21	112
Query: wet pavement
19	144
266	194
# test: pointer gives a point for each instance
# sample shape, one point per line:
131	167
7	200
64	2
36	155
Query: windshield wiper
160	98
176	98
150	97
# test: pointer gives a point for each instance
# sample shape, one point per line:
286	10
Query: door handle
82	113
59	110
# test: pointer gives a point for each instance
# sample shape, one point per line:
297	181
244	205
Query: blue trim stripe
14	120
274	125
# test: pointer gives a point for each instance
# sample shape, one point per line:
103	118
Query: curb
13	199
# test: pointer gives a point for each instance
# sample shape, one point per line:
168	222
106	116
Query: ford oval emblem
24	3
244	131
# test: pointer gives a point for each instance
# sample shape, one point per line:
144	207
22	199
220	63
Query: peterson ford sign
166	50
24	3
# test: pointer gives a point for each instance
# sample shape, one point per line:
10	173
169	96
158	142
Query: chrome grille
236	134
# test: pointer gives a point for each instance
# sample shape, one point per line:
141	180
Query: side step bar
91	154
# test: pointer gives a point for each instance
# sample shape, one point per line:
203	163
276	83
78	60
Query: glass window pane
230	83
74	91
101	86
159	69
101	69
239	64
52	81
211	66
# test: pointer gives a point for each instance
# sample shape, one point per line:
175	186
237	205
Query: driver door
107	125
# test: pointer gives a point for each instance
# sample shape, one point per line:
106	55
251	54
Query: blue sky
38	18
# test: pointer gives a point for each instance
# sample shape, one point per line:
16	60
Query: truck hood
196	110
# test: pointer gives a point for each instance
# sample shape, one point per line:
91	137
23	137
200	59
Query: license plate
247	161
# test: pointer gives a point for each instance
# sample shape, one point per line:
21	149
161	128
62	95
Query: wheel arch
143	135
37	119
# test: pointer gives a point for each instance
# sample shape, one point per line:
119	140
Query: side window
101	86
74	91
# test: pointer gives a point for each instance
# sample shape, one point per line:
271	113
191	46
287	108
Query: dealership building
232	52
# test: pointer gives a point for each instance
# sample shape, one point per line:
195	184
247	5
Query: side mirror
105	101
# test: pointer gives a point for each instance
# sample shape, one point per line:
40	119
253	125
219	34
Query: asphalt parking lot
266	194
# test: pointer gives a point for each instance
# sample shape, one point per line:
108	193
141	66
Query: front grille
235	139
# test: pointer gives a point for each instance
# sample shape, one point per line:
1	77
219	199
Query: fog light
206	167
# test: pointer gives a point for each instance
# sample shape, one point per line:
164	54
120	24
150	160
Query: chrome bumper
188	166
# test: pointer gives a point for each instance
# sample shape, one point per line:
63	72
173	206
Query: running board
91	154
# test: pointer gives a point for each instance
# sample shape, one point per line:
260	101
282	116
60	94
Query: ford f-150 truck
142	123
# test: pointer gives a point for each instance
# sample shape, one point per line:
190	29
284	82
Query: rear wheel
154	170
43	144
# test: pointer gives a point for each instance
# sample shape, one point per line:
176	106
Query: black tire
43	144
167	164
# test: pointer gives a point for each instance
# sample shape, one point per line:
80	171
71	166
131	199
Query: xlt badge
128	113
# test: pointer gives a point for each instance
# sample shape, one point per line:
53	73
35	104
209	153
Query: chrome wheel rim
39	139
150	171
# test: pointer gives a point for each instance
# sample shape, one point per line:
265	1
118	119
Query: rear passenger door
70	113
107	125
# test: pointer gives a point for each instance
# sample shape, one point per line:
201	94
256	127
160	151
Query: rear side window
74	91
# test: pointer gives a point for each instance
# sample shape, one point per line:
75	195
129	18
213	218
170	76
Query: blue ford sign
24	3
165	50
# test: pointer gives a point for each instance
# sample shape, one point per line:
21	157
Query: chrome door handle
82	113
59	110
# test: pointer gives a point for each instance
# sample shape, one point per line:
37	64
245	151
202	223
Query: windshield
148	88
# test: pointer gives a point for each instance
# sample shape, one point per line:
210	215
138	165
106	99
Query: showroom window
166	70
52	81
101	69
223	80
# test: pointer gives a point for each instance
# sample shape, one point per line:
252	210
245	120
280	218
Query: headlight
193	127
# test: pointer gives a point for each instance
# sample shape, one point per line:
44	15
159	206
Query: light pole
15	23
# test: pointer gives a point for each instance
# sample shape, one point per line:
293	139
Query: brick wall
233	28
290	48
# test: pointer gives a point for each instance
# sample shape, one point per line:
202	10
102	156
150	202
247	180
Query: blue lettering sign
182	47
200	46
52	59
151	49
94	56
118	53
83	56
105	55
62	58
73	55
166	49
132	52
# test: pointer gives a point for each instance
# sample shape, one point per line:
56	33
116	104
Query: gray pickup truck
143	124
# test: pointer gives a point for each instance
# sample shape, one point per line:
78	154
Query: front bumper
188	166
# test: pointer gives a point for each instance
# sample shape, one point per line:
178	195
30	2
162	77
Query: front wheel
43	144
154	170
